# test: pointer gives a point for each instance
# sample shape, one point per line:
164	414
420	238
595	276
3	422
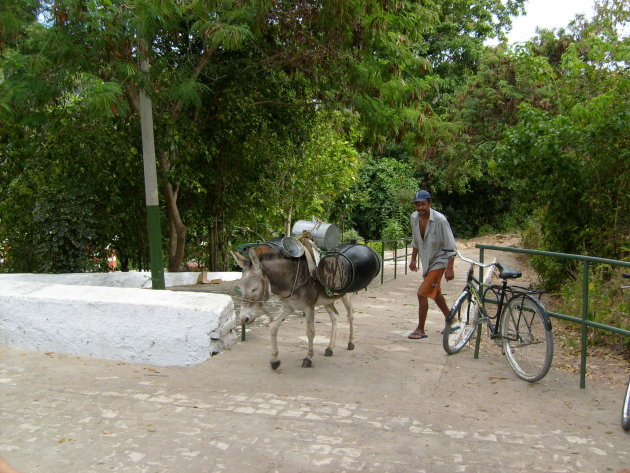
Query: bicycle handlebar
468	260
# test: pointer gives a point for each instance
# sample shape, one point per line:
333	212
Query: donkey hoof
306	363
275	364
328	352
350	346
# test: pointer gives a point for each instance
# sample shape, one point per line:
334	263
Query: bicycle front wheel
527	338
460	323
625	409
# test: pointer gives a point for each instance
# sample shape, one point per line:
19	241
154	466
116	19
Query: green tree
59	211
383	193
373	59
568	150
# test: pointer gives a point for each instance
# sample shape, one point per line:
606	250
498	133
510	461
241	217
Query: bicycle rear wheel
460	323
625	409
527	338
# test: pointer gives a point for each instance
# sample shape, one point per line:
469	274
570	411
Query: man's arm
414	257
449	274
449	242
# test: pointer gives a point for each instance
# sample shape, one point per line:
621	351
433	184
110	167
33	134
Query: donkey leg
268	314
310	334
347	303
284	312
332	311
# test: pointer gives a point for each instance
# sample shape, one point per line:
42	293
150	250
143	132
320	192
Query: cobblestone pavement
391	405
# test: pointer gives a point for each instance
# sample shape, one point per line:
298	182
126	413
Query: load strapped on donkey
341	269
304	271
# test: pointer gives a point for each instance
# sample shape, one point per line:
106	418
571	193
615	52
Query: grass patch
609	304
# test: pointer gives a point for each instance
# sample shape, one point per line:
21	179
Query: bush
351	234
376	246
486	229
393	231
608	305
553	272
531	235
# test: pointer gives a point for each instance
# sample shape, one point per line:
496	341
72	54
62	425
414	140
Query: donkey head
254	286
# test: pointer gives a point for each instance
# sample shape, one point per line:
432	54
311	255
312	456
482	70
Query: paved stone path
391	405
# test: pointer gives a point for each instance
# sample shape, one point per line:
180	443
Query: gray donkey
268	271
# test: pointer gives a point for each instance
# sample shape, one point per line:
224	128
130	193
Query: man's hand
412	265
449	274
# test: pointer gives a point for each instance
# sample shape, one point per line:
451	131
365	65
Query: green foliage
350	234
376	246
66	230
393	230
70	189
578	164
237	86
608	304
383	195
264	113
483	207
544	129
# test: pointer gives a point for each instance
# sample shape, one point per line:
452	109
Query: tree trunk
287	221
177	229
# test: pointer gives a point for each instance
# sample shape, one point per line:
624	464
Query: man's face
422	207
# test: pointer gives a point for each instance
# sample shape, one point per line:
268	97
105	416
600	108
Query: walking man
431	234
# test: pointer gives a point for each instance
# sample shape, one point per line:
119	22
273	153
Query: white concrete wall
138	279
132	325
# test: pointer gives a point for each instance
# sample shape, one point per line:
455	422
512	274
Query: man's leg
430	288
441	303
423	310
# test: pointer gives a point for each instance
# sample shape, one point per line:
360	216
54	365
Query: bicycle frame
521	322
473	283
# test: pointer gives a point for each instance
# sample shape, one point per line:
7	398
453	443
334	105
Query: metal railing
584	319
398	254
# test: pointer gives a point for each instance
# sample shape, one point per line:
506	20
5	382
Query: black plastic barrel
348	268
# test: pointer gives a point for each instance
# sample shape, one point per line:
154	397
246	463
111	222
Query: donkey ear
240	260
253	256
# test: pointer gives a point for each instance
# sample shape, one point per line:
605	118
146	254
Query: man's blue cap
421	196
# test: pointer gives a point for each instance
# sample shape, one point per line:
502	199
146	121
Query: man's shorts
430	287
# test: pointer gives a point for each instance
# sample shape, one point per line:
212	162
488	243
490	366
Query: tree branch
207	54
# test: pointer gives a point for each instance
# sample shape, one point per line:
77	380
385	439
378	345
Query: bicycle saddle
507	273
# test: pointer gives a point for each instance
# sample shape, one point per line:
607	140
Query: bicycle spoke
526	339
460	324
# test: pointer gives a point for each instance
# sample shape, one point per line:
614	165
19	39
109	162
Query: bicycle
625	407
521	322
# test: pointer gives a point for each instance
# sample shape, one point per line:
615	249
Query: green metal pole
479	327
481	269
155	247
382	261
406	257
584	327
150	187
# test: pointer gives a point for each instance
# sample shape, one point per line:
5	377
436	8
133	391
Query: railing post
406	250
382	261
584	326
479	326
481	279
